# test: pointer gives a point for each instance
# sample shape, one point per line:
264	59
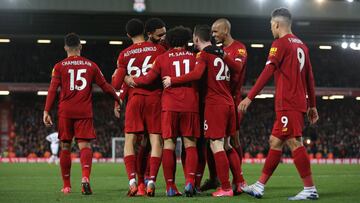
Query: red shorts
143	113
220	121
78	128
288	124
174	124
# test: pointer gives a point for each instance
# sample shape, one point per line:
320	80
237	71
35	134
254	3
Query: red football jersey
237	51
218	78
289	61
137	61
76	75
174	63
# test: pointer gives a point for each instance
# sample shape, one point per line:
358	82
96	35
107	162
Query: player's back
218	80
292	57
76	75
137	60
184	97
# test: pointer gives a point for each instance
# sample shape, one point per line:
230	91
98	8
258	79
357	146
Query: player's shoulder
238	44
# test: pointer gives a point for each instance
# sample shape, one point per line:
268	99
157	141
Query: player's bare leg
235	166
86	162
302	163
65	165
130	162
169	164
155	162
272	161
222	168
191	162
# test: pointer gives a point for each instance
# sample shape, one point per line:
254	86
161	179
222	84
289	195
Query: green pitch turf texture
42	183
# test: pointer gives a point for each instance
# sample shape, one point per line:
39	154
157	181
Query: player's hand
117	110
47	119
129	80
215	51
312	115
244	104
166	81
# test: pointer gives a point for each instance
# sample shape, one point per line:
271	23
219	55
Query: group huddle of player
173	91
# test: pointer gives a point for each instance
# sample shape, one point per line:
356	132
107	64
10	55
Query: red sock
211	164
191	163
235	166
168	166
222	168
86	156
130	165
272	161
302	163
154	167
201	164
65	165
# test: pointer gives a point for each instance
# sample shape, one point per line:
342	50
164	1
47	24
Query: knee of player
66	146
276	143
294	143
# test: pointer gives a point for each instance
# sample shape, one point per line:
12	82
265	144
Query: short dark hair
134	27
72	40
282	12
203	32
178	36
153	23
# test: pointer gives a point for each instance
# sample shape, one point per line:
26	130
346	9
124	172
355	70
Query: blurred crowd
336	135
29	62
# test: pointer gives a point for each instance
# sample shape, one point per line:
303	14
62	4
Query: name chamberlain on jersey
76	63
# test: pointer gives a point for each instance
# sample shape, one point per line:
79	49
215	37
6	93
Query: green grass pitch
42	183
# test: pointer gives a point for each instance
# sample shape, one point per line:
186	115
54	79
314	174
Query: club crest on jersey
273	51
242	52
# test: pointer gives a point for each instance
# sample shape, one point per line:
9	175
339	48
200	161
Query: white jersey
53	138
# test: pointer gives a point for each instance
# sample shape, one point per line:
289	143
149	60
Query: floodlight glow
325	97
42	93
325	47
4	40
332	97
264	96
83	41
4	92
344	45
115	42
43	41
257	45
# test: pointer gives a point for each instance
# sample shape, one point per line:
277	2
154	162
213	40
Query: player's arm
312	113
234	64
106	87
118	78
196	74
150	76
50	98
264	77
